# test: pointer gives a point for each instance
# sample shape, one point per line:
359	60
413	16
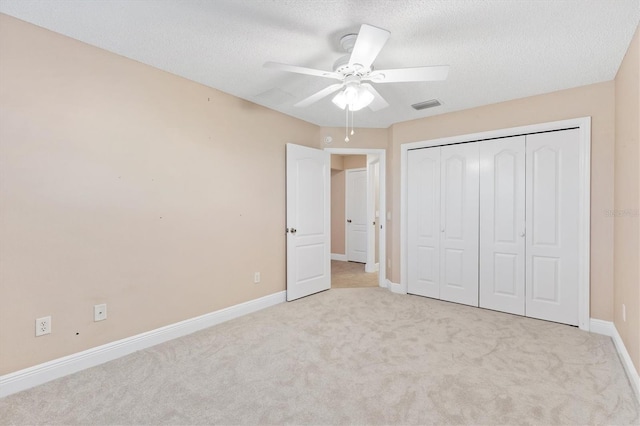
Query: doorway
367	167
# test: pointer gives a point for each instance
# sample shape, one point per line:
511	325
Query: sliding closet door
502	224
552	226
423	220
459	223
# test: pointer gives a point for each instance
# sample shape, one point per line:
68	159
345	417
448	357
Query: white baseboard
371	267
341	257
395	287
608	328
42	373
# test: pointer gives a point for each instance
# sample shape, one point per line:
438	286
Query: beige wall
355	162
597	101
126	185
363	138
337	162
338	187
626	287
340	163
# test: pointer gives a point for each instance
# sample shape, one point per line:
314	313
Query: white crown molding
42	373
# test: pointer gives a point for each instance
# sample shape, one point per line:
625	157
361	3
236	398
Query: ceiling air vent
426	104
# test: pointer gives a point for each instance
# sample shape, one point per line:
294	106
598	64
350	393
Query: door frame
382	173
372	265
584	203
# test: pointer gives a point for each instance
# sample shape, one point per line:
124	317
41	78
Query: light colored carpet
351	356
351	275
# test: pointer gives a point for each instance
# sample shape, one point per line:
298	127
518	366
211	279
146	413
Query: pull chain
346	127
352	123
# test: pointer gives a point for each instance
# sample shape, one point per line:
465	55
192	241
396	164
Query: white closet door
502	224
423	220
459	223
552	226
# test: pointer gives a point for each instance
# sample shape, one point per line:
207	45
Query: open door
308	221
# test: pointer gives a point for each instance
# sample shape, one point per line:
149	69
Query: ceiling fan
355	70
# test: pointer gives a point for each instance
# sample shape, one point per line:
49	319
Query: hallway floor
351	275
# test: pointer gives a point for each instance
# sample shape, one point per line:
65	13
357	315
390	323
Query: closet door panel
502	225
459	223
423	209
552	226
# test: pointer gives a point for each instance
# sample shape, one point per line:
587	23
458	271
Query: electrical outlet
256	277
43	326
100	312
624	313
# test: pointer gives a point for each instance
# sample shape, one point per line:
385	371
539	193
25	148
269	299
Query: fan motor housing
342	66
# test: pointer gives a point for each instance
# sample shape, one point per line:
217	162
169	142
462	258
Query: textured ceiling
497	50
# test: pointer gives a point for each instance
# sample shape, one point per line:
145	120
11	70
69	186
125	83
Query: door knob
294	230
348	220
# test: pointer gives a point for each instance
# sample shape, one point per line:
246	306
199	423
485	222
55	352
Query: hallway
351	275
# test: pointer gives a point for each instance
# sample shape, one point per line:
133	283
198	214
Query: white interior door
459	175
356	206
423	219
308	221
502	224
552	226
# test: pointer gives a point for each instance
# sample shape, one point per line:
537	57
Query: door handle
348	220
292	230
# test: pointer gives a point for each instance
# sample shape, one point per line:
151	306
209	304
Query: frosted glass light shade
356	97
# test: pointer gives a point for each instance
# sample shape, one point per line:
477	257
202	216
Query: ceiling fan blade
302	70
368	44
319	95
400	75
378	102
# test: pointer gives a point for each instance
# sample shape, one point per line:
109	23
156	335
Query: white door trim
382	179
372	161
584	124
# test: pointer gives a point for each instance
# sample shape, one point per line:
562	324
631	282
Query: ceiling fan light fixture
356	97
340	100
365	97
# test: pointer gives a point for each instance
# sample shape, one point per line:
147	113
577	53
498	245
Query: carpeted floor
351	275
351	356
